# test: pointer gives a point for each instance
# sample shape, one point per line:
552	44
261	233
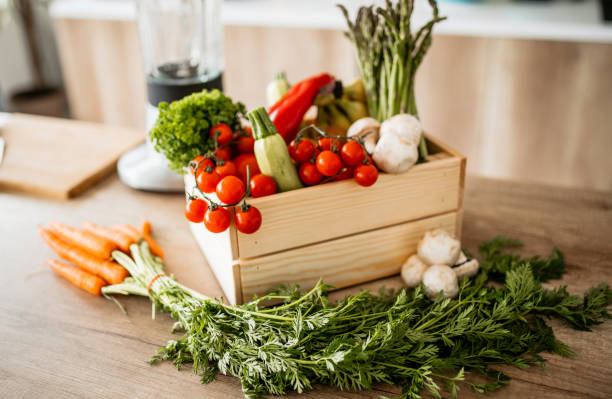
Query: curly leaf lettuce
181	130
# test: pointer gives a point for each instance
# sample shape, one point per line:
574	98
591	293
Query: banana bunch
337	111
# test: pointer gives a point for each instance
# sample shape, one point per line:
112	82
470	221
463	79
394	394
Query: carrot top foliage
401	338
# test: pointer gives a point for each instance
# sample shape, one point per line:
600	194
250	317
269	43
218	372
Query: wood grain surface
60	342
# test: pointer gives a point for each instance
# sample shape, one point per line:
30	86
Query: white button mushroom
405	126
438	247
368	129
440	278
467	269
412	271
392	154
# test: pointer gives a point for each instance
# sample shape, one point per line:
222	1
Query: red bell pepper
287	113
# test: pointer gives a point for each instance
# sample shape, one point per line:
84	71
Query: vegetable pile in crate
314	187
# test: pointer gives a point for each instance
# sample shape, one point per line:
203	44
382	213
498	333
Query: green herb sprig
400	338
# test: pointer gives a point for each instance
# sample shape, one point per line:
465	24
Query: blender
182	50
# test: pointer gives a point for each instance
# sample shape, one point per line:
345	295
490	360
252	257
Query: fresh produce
95	245
244	161
194	210
122	240
207	179
352	154
106	269
86	281
221	134
230	190
366	128
412	271
277	88
366	175
328	163
217	219
440	280
438	247
262	185
245	144
355	91
287	113
145	227
225	168
389	55
247	219
271	151
155	248
394	155
402	338
181	131
224	154
302	151
137	235
309	174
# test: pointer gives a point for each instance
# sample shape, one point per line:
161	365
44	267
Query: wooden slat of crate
319	213
345	261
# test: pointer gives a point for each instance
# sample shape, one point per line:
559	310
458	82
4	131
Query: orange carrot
155	248
78	277
131	231
97	246
146	228
110	271
122	240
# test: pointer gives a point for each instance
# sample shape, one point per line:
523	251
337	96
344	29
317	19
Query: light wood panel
342	262
319	213
60	158
61	342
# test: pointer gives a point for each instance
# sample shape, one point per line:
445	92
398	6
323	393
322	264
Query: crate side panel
341	262
320	213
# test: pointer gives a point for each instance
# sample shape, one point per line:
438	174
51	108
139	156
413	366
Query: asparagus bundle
389	56
398	338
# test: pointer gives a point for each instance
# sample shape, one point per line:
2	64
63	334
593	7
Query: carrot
155	248
122	240
146	228
97	246
110	271
78	277
131	231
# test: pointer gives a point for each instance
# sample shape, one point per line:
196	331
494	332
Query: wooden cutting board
60	157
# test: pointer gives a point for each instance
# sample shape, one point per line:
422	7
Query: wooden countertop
60	342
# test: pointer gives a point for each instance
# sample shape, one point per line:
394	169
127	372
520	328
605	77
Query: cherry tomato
230	190
245	144
347	173
247	221
366	175
327	144
309	174
227	169
217	220
241	162
207	181
204	163
224	153
302	151
262	185
194	210
328	163
223	133
352	153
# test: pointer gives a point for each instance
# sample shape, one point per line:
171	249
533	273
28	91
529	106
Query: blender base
144	169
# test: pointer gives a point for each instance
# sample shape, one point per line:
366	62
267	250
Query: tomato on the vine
244	160
247	220
207	180
262	185
302	151
217	220
352	153
329	144
203	163
230	190
309	174
245	144
347	173
366	175
328	163
223	133
224	153
227	169
194	210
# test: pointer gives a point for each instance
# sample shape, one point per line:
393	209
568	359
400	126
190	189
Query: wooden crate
341	232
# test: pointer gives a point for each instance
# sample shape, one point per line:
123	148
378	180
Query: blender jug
182	50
